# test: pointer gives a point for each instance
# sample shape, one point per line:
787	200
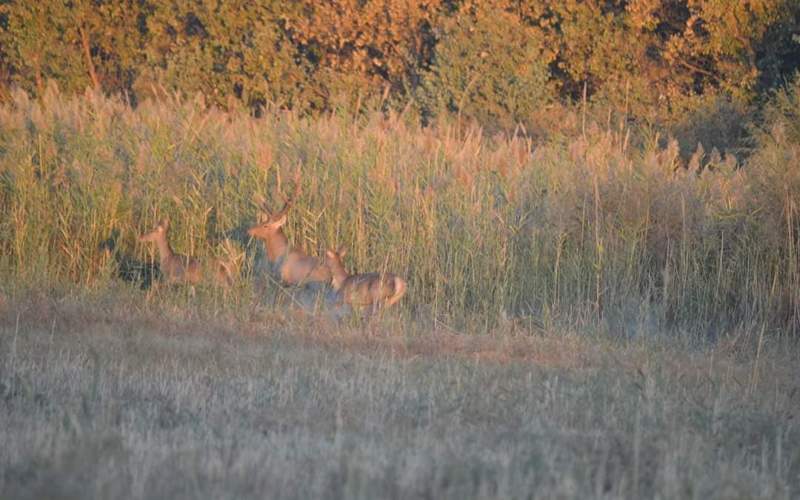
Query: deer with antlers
369	289
291	265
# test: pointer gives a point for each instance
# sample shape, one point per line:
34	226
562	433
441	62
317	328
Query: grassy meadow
590	313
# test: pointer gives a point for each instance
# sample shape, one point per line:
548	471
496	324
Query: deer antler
261	203
288	202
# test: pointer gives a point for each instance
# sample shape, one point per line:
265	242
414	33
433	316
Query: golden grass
603	229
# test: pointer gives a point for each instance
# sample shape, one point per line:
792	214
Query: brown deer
291	265
368	289
182	269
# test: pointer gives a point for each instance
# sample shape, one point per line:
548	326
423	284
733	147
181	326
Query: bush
782	115
489	67
232	50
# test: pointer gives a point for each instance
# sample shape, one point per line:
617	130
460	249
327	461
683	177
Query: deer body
290	265
367	289
177	268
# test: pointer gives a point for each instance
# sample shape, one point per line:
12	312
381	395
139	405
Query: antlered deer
368	289
291	265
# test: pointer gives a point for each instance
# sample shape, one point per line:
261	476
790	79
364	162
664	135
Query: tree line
497	61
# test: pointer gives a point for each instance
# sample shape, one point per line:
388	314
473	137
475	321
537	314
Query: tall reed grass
592	229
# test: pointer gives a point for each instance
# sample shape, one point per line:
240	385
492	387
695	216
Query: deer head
158	232
271	222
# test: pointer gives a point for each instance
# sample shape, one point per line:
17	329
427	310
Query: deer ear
342	252
164	223
280	220
331	254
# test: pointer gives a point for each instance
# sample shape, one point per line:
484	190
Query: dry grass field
118	399
587	316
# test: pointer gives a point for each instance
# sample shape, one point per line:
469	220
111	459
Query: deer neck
277	245
338	275
164	250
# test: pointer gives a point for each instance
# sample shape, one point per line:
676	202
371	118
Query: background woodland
687	66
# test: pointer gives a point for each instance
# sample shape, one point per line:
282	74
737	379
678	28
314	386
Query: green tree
366	45
660	55
657	59
224	49
77	43
36	50
488	66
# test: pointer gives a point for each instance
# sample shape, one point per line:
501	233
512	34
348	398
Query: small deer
182	269
291	265
368	289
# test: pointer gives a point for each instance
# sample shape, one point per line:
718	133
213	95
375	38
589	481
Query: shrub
489	67
228	50
782	114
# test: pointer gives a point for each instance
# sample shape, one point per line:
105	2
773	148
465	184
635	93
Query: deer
368	289
292	266
182	269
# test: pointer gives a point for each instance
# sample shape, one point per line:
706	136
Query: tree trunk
37	75
87	53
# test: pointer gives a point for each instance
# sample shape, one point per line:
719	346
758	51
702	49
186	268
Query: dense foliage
655	59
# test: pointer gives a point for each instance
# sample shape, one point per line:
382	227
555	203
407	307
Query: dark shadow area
236	234
128	268
721	124
253	249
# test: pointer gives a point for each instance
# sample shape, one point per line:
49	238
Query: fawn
291	265
368	289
